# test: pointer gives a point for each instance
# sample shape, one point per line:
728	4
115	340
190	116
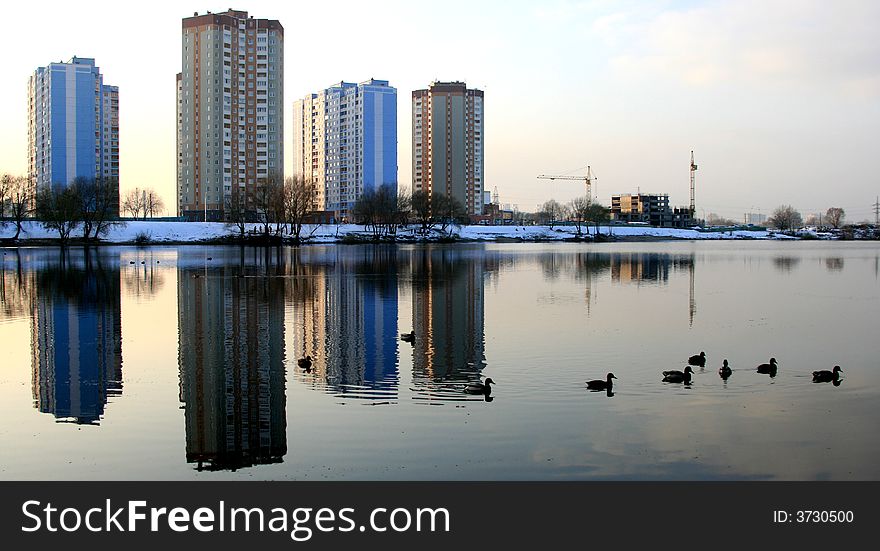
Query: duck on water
600	384
768	369
825	376
477	387
678	376
698	360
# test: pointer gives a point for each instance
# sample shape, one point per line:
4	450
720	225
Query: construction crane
693	178
588	180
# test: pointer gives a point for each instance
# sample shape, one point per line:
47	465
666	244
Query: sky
778	99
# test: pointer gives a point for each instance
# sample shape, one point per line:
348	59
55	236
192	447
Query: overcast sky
779	99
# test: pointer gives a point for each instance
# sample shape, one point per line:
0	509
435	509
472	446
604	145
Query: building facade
230	112
447	143
652	209
345	142
73	125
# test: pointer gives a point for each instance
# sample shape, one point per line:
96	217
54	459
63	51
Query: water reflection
786	263
144	277
345	318
244	316
231	360
76	336
16	286
448	320
834	264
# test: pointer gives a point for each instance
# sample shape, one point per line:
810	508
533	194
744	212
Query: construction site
650	209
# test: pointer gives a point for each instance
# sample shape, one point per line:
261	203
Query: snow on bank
159	232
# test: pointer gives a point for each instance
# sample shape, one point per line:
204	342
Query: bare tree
58	209
553	211
835	216
404	207
6	182
98	204
153	204
447	210
420	204
598	214
133	202
235	210
298	200
785	218
381	210
20	199
266	197
579	209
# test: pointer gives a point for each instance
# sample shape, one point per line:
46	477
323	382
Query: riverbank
146	232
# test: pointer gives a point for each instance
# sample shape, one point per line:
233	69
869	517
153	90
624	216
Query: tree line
90	205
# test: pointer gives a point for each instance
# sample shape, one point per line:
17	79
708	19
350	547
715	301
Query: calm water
181	362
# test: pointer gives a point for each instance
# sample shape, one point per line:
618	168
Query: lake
181	362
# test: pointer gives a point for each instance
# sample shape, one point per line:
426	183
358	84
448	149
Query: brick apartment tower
230	111
447	142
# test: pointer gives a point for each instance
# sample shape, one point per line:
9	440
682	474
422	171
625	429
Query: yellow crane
588	180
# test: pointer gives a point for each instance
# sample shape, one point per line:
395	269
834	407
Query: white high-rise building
345	142
230	112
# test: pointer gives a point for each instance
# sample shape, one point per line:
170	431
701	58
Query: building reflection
448	319
16	286
345	318
76	336
624	268
232	362
834	264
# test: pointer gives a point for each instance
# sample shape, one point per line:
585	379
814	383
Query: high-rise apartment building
345	142
230	112
447	143
73	125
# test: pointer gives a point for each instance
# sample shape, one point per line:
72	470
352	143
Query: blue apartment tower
73	124
345	142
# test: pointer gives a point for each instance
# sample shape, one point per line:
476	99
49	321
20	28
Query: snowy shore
196	232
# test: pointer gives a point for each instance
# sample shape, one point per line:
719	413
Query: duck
825	376
305	363
678	376
768	369
725	370
477	387
599	384
698	360
408	337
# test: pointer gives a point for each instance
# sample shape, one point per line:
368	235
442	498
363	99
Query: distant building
73	125
755	219
230	112
652	209
345	141
447	143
